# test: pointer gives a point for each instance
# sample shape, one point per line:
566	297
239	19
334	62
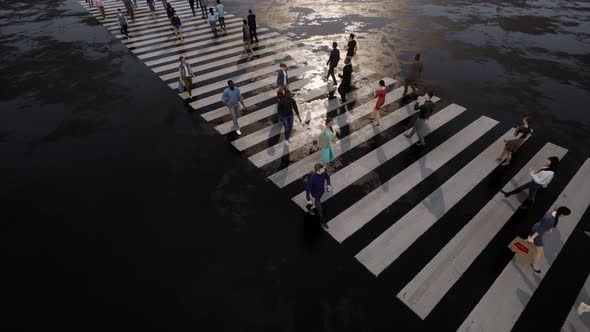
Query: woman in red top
380	95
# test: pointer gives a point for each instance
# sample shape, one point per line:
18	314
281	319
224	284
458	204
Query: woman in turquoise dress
327	149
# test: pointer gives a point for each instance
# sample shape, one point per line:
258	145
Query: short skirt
513	145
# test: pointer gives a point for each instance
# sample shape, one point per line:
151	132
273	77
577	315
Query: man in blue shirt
231	97
315	190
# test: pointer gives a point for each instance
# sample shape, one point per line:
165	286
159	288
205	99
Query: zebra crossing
216	60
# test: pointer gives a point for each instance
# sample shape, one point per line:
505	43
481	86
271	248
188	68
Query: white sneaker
287	142
238	132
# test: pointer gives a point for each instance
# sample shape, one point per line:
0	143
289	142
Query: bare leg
538	254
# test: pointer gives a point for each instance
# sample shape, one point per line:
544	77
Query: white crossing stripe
386	248
222	111
230	69
504	302
143	21
182	48
325	107
432	283
158	61
272	110
301	168
575	322
149	36
363	211
356	170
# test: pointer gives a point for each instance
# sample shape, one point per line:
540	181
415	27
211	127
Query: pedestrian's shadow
311	230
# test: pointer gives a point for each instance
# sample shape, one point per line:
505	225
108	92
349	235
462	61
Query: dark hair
318	166
352	35
245	21
417	56
218	1
230	82
211	10
429	92
250	11
563	211
283	65
553	166
334	44
382	82
180	59
529	119
328	120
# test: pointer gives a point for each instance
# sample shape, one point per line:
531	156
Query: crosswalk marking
574	322
318	110
386	248
223	111
158	35
363	166
516	284
432	283
359	214
171	58
142	21
301	168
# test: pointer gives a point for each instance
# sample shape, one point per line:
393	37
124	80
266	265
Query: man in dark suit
252	25
346	77
333	61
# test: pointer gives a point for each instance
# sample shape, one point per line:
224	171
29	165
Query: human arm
296	109
531	238
542	177
241	99
327	176
308	190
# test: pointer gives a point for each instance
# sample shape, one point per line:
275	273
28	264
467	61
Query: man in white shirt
221	15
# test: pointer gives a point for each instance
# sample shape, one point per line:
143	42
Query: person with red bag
545	226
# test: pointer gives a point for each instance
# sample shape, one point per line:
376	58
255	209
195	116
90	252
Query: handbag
180	86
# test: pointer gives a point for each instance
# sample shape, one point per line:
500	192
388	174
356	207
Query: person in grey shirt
414	74
232	98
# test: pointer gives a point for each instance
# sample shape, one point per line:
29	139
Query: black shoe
537	271
505	193
324	225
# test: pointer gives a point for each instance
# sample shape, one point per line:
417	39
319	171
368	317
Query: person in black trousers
333	61
346	77
203	9
192	4
252	25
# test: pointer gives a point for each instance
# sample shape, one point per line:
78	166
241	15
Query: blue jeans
532	186
288	124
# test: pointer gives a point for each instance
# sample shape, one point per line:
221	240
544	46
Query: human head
245	22
352	36
563	211
381	83
346	60
429	93
528	120
287	93
119	10
218	1
552	163
334	44
181	59
230	83
318	167
211	11
328	122
417	57
250	11
283	66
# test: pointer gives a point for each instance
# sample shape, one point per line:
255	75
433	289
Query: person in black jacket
252	25
286	105
420	124
346	77
333	61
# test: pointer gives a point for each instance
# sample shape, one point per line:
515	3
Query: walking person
380	95
333	61
325	142
286	106
540	179
152	6
252	25
414	75
186	75
100	5
315	189
130	11
282	77
192	4
170	11
513	144
426	110
177	27
221	15
232	98
351	47
123	23
212	20
346	77
246	37
203	9
545	226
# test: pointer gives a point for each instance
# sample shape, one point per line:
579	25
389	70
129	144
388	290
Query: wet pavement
125	211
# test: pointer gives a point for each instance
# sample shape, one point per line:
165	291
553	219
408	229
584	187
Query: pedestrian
212	19
325	142
203	9
513	144
186	75
90	2
540	179
246	37
380	95
426	110
232	98
333	61
152	6
315	190
346	77
414	75
283	77
177	27
220	15
100	5
134	3
130	11
351	47
286	106
582	308
170	11
252	25
541	228
192	4
123	23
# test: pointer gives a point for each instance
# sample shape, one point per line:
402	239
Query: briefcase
524	250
